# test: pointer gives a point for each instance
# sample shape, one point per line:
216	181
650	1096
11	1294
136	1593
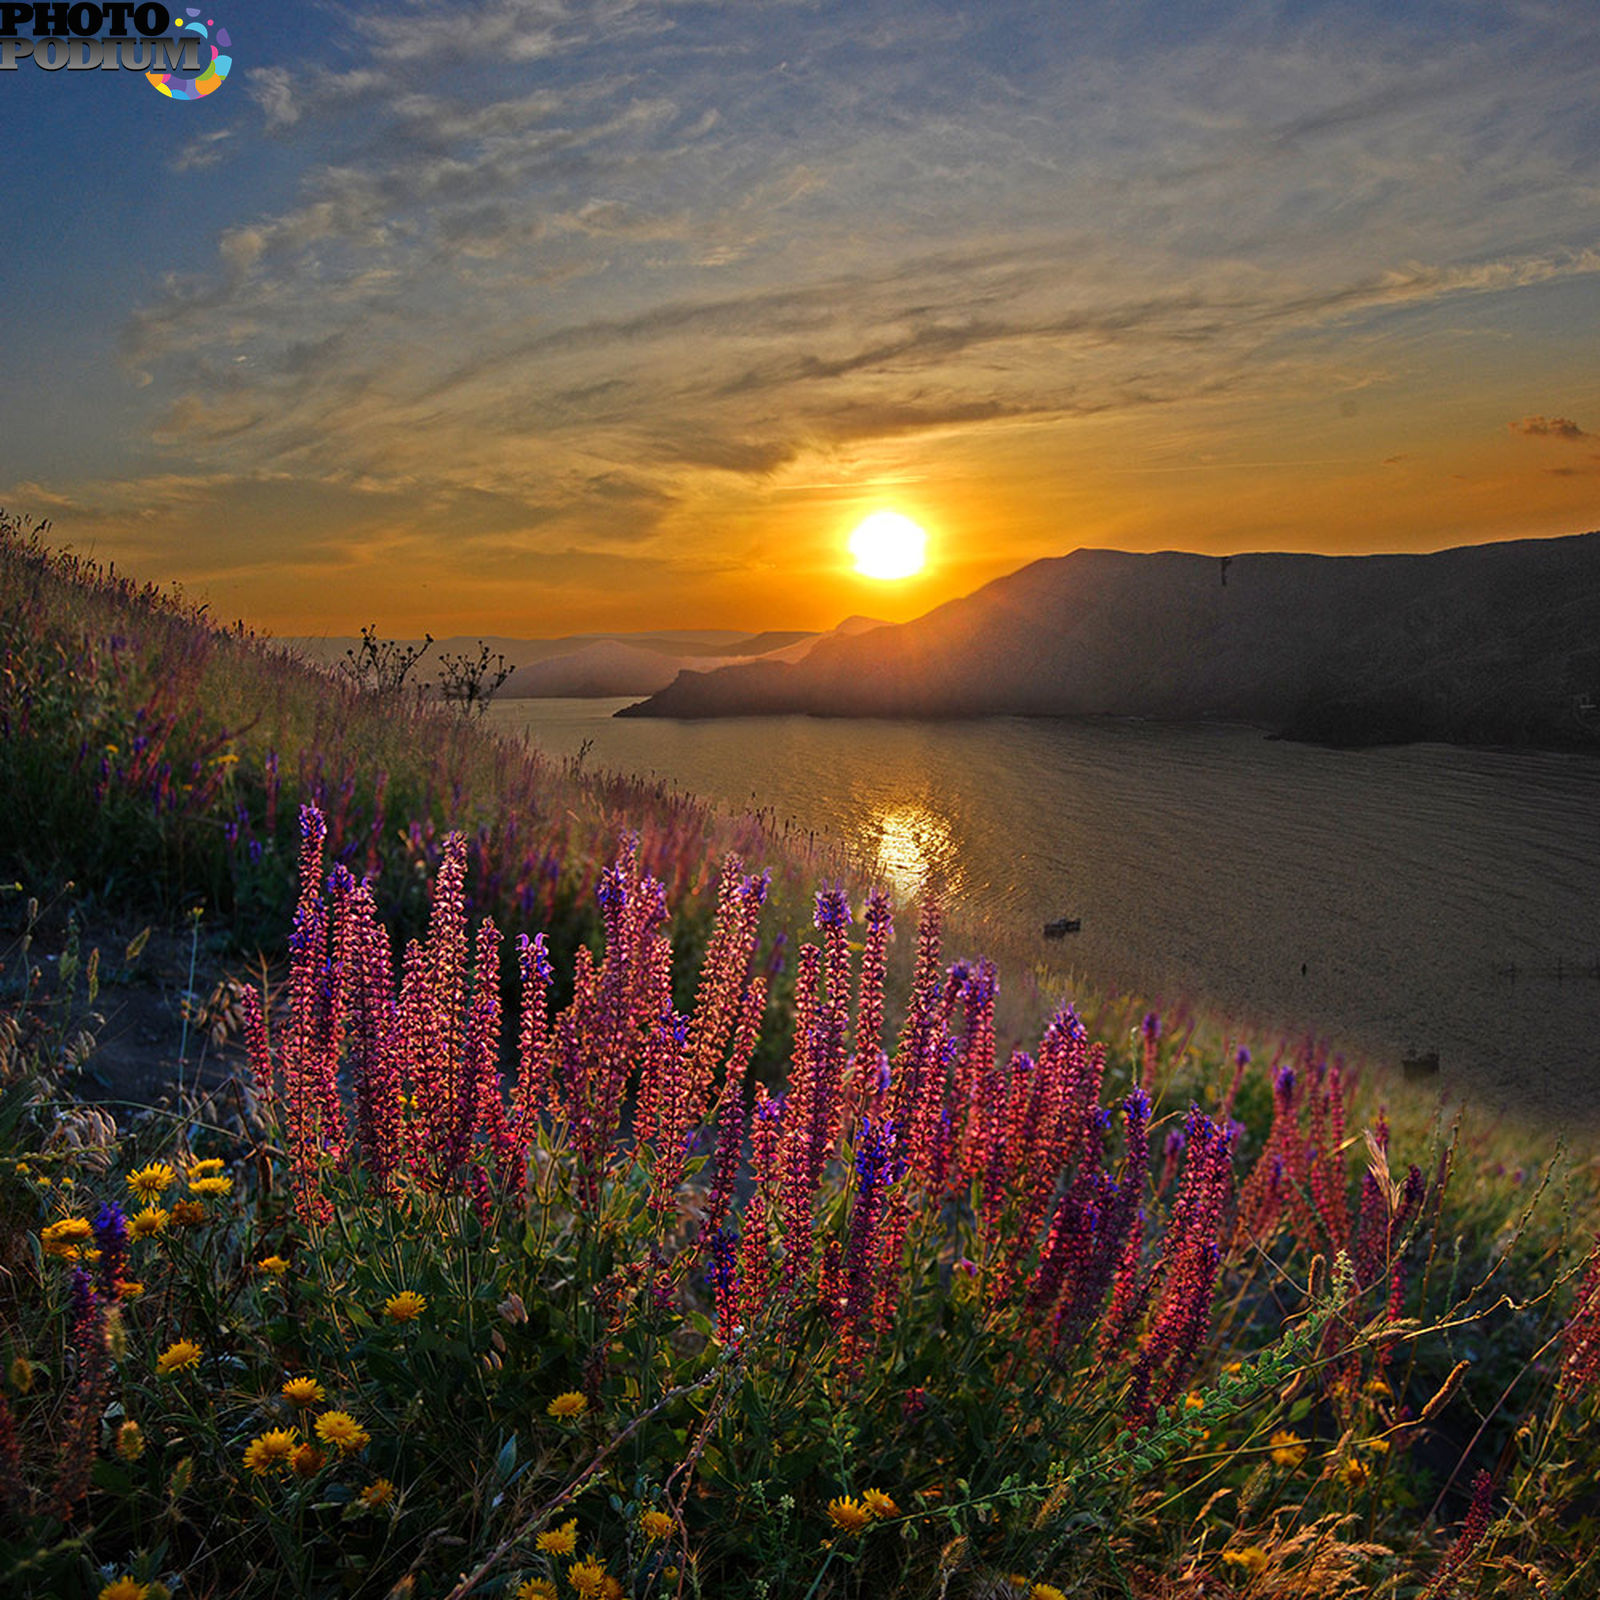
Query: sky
530	317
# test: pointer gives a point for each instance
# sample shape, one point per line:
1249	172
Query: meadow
609	1208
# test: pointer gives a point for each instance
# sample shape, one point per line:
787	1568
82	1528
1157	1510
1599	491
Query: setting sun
888	545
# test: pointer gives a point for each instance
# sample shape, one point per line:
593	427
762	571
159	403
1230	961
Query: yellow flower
1355	1472
275	1265
1194	1401
64	1238
537	1589
588	1577
1045	1591
1252	1558
656	1524
567	1406
406	1306
148	1223
129	1288
1379	1447
187	1213
879	1504
342	1431
377	1494
848	1514
153	1180
180	1354
1288	1449
304	1392
207	1168
560	1541
124	1589
1378	1388
210	1186
273	1451
307	1460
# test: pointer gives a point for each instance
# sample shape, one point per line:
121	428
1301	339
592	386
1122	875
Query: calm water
1210	863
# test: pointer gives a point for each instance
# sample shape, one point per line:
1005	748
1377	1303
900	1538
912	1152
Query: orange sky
625	323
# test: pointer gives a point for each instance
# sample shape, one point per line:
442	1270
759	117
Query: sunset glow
888	546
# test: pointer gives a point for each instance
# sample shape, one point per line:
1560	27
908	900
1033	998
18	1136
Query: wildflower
208	1187
1355	1472
1252	1558
537	1589
129	1288
148	1223
1379	1447
1378	1389
307	1460
376	1495
111	1234
149	1182
209	1167
65	1238
879	1504
656	1524
406	1306
130	1441
848	1514
567	1406
272	1451
588	1577
275	1266
124	1589
342	1431
560	1541
304	1392
178	1355
1045	1591
188	1213
1288	1449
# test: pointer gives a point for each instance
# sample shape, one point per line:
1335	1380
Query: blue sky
529	316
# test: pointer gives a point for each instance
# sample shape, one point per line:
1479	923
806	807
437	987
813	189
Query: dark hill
1496	643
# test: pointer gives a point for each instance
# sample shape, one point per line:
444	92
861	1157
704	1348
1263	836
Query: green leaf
506	1462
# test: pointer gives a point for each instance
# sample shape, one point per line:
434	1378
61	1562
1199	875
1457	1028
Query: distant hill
1494	643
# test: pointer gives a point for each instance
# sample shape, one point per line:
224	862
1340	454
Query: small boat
1423	1066
1062	926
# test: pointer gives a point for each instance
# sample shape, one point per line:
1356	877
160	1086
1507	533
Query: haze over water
1210	864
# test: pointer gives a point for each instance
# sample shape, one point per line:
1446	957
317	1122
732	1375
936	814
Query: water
1393	901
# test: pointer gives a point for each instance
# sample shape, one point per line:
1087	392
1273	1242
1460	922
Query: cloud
1549	427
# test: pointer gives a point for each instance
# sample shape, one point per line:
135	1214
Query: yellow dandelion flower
537	1589
274	1266
611	1589
1355	1472
567	1406
188	1214
848	1514
342	1431
151	1181
307	1461
1252	1558
406	1306
879	1504
148	1223
209	1167
377	1494
178	1355
1288	1449
588	1577
272	1451
124	1589
656	1524
1045	1591
65	1238
208	1187
304	1392
560	1541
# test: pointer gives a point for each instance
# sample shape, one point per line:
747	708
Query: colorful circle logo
215	73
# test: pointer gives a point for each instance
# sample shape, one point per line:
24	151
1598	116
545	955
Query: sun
887	545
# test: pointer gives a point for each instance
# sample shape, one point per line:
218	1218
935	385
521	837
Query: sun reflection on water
912	845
